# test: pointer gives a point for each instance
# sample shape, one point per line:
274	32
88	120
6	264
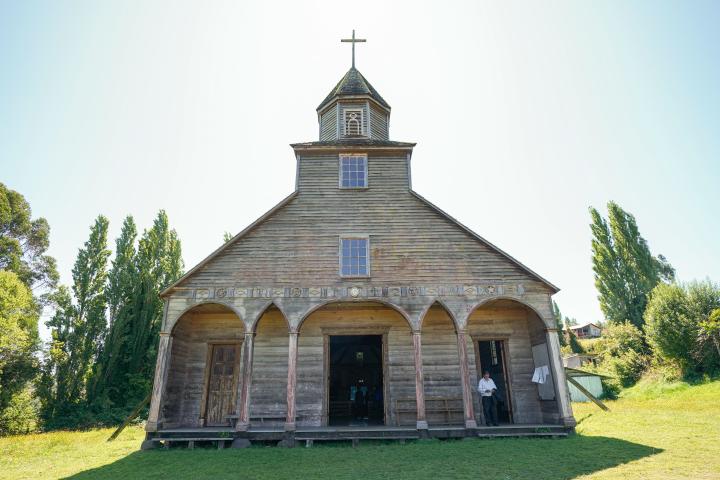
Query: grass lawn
651	433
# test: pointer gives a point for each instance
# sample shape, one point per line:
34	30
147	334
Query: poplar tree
77	328
559	323
122	280
625	269
123	376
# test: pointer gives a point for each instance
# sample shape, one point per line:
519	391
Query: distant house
586	330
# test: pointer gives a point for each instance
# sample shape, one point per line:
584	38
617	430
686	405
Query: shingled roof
353	83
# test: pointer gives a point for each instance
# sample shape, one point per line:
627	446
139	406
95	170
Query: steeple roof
353	83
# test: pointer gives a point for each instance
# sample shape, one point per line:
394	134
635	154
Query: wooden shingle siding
378	123
329	124
409	241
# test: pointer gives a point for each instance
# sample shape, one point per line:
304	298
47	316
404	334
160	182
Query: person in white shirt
486	388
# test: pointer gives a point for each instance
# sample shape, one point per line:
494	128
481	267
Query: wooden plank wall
410	243
188	360
329	124
268	392
378	123
441	363
511	323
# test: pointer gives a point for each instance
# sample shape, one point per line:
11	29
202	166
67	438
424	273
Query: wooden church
353	309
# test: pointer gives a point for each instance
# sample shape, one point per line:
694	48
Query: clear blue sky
525	114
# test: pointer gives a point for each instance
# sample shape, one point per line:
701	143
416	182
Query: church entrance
355	380
221	383
491	354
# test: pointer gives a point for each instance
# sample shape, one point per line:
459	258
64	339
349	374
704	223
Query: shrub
681	327
20	415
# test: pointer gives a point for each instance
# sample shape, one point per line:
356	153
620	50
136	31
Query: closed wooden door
221	384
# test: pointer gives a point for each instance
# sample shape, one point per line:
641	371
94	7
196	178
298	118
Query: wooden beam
130	417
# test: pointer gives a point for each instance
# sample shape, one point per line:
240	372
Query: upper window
353	171
353	120
354	256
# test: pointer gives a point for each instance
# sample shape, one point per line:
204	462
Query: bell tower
353	109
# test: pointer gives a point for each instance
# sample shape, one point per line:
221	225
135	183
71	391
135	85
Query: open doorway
491	357
355	380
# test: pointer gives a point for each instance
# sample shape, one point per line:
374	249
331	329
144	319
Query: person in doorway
486	389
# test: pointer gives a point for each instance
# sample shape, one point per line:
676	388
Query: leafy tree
681	322
18	339
623	353
227	236
625	269
559	324
77	328
24	241
572	339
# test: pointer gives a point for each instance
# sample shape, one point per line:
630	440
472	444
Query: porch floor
355	433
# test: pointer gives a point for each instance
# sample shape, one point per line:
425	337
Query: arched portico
509	338
330	334
202	367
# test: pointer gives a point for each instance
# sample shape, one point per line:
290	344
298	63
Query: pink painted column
243	422
419	382
292	380
465	378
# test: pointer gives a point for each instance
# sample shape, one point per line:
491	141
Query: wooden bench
449	407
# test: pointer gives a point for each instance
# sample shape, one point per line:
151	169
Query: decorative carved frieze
357	291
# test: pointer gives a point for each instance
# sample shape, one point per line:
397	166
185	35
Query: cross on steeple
353	40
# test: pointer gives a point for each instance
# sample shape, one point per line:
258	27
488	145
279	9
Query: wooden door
222	383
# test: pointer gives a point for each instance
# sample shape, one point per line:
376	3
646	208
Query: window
353	171
353	122
354	257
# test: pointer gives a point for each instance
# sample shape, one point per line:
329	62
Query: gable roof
353	83
225	245
481	239
290	197
584	324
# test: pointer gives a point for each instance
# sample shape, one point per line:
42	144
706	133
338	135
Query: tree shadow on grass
432	459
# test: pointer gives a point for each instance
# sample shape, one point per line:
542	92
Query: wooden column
243	422
419	382
465	378
292	380
162	366
562	393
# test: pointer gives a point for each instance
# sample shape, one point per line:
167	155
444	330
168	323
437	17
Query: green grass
651	433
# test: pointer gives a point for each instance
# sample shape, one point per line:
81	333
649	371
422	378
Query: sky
525	114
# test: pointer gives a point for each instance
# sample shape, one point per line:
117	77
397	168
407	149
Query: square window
353	171
354	257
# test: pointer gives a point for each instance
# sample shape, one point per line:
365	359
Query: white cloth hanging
541	373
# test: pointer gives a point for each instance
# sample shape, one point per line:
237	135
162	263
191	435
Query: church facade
355	303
